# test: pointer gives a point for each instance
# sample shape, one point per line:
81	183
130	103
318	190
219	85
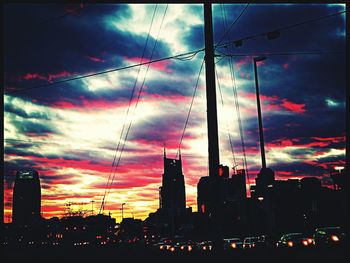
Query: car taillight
305	243
309	240
334	238
233	245
172	249
290	243
189	248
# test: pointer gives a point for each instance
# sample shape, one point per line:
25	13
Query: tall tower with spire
172	192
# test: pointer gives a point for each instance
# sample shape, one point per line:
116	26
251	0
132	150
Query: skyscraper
26	197
172	191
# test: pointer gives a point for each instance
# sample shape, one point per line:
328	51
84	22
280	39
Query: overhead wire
227	127
128	109
190	109
279	29
137	101
227	29
173	57
105	72
260	53
223	15
234	89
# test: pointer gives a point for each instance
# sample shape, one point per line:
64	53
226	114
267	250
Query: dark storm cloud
30	127
318	123
9	107
260	18
34	150
67	47
195	37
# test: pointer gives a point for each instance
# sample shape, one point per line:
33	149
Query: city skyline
68	132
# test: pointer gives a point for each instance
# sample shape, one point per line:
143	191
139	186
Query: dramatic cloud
75	133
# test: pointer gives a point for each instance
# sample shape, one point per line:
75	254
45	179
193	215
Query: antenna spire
164	151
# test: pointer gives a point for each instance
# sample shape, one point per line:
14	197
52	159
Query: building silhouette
172	192
172	215
26	198
221	202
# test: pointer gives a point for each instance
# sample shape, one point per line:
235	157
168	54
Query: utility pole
261	132
212	122
213	138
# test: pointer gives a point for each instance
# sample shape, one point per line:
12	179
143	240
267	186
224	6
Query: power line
232	24
189	111
328	52
127	112
137	101
223	15
227	127
234	89
176	56
106	71
277	30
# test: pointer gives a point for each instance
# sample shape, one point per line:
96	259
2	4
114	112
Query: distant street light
261	133
123	210
339	168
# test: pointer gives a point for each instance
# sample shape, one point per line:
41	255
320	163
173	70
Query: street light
123	210
339	168
261	133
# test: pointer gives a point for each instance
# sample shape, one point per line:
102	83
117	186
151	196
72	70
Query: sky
75	132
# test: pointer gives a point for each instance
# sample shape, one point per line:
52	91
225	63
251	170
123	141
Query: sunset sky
69	132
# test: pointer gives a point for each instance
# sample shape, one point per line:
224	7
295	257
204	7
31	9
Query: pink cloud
330	139
325	165
85	104
30	76
242	62
95	59
285	65
49	77
294	107
281	143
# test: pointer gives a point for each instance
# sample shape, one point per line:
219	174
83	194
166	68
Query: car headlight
334	238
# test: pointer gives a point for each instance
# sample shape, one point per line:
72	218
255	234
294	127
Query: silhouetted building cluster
274	208
280	206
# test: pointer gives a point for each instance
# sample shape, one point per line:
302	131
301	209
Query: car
205	246
185	247
329	236
250	242
232	243
292	240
